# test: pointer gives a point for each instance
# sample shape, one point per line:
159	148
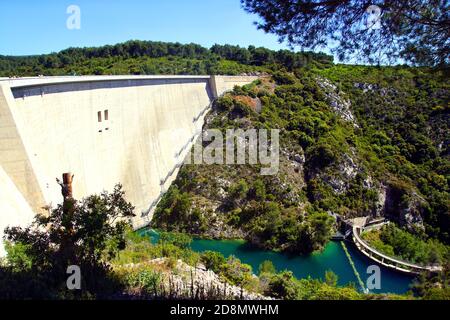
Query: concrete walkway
375	255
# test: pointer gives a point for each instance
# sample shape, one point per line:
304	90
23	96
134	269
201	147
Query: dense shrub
394	241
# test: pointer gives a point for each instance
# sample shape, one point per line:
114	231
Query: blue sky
35	27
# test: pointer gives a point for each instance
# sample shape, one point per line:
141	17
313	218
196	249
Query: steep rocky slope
354	141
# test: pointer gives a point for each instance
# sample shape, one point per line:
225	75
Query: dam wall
133	130
222	84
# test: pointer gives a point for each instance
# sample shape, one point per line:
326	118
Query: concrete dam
133	130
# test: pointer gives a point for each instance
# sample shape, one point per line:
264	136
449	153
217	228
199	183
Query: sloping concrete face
222	84
131	130
14	158
14	209
18	183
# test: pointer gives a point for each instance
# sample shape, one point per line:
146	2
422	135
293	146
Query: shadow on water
314	265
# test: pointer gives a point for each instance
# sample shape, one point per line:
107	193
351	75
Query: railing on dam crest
381	258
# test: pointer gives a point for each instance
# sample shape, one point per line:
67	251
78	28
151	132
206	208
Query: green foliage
266	267
402	132
401	114
224	103
213	260
283	78
231	269
239	190
178	239
139	249
331	278
17	257
145	279
175	207
322	155
396	242
395	144
236	272
433	286
85	233
437	294
285	286
258	190
282	285
147	57
321	224
416	33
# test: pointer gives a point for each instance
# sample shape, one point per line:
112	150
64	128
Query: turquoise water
331	258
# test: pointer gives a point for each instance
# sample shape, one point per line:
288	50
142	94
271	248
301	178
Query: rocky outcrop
380	205
184	281
371	87
404	206
339	176
340	104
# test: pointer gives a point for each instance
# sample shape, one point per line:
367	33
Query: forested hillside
403	115
146	57
355	141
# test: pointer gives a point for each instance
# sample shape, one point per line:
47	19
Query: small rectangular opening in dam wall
133	130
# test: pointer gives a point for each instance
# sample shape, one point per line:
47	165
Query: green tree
173	211
331	278
322	226
236	272
258	190
267	267
283	286
213	260
178	239
86	233
239	190
17	256
417	32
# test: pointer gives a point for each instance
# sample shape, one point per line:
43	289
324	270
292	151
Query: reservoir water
333	258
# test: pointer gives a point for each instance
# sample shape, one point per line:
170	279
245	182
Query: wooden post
67	180
66	185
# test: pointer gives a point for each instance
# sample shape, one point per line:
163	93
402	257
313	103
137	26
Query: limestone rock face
340	176
188	279
370	87
340	104
380	205
411	214
299	158
405	207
